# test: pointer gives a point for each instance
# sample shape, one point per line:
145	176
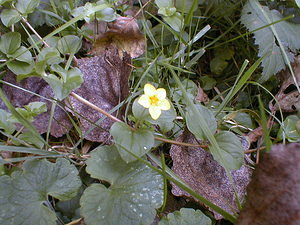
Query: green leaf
69	44
48	56
186	217
298	3
138	142
164	121
5	123
193	125
24	195
19	68
255	16
29	138
64	85
22	54
232	153
10	17
175	21
29	111
164	3
10	42
131	199
290	129
107	15
27	6
167	11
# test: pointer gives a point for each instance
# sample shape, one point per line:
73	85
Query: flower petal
149	90
164	104
161	93
144	101
154	112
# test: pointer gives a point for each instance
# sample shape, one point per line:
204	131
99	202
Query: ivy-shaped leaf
24	195
138	141
232	154
134	193
253	17
186	217
69	44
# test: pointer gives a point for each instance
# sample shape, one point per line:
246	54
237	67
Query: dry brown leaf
124	34
105	85
288	96
18	98
274	192
198	169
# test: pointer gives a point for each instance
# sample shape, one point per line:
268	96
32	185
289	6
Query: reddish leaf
198	169
105	85
288	96
273	193
124	34
61	123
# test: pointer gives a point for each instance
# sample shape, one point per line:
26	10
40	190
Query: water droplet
103	217
99	209
133	194
145	147
141	195
134	209
141	215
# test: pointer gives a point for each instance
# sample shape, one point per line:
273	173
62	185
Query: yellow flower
154	100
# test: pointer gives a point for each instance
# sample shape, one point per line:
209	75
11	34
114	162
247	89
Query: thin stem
91	105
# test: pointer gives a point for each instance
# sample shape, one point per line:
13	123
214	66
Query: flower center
153	100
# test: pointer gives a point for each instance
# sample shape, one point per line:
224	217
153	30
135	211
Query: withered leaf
198	169
19	98
288	96
105	85
124	34
273	193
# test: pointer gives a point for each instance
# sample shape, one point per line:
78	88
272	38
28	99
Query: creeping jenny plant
154	100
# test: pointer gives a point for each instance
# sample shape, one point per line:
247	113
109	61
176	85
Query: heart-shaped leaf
9	17
139	141
231	150
134	194
193	123
186	217
24	195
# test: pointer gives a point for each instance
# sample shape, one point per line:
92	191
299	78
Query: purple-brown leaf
18	98
199	170
105	85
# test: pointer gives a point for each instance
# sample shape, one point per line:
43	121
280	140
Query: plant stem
91	105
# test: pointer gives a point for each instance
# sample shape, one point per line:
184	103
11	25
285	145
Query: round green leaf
18	67
232	154
194	125
186	217
139	141
10	42
27	6
10	17
175	21
69	44
164	3
134	194
290	129
23	196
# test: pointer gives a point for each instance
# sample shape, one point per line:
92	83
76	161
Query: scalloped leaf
134	194
186	217
24	195
253	17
